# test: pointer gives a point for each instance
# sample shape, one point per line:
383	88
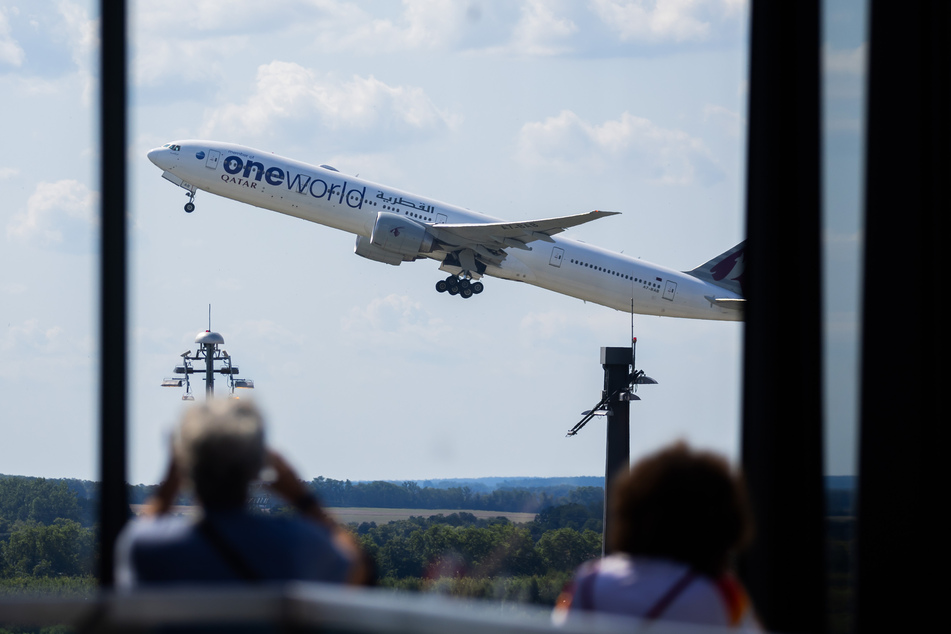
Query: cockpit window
173	148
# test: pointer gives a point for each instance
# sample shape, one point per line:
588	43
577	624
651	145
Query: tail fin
726	270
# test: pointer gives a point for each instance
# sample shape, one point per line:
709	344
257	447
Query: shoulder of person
157	526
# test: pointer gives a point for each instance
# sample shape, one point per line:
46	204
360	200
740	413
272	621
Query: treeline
486	484
461	555
493	494
46	531
48	539
507	496
410	495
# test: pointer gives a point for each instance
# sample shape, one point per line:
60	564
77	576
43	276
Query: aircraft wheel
189	207
453	289
466	292
478	287
442	286
463	283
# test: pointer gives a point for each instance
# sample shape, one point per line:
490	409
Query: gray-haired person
219	448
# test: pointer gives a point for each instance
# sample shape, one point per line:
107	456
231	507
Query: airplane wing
496	236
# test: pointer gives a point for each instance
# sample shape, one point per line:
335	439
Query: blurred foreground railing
303	607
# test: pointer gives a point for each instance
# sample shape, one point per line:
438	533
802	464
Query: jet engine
394	239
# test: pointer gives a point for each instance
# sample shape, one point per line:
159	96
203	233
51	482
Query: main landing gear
190	205
463	287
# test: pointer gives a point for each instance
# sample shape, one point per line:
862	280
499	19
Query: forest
48	536
48	540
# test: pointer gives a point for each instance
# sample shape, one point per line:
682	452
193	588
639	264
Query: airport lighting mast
621	379
209	353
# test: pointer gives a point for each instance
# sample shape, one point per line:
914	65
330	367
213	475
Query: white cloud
219	40
377	322
218	37
422	25
55	33
844	77
540	31
731	122
838	238
654	21
287	93
632	144
82	36
847	62
160	59
30	337
214	40
543	328
56	214
33	86
10	51
8	172
267	331
82	32
33	351
212	17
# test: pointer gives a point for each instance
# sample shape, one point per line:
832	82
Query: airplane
394	226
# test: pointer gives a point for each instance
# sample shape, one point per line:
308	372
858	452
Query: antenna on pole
209	315
633	339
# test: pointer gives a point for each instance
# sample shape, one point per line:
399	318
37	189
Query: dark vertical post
209	371
616	362
782	387
114	508
905	377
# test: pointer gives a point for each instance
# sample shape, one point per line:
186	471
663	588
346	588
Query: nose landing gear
190	205
461	286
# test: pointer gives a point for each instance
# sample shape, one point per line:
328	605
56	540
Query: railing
303	607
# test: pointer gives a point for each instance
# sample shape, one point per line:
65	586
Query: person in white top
677	520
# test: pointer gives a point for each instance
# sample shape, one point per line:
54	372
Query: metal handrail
303	606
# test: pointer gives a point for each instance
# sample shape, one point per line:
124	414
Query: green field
345	515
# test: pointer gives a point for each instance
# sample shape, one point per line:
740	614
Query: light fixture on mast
208	353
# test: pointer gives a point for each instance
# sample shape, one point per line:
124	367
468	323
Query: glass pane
845	49
522	112
48	291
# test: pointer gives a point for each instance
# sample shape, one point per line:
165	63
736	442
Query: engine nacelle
365	249
394	239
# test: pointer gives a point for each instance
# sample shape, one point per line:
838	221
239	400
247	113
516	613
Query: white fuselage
327	197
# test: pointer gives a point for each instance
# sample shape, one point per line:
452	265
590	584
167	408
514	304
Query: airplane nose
156	156
165	157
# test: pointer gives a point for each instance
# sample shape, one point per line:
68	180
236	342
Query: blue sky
516	109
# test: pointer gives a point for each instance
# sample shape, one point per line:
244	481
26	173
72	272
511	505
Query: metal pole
113	499
784	568
616	362
209	371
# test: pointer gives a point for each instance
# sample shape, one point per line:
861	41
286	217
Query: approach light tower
621	379
209	353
